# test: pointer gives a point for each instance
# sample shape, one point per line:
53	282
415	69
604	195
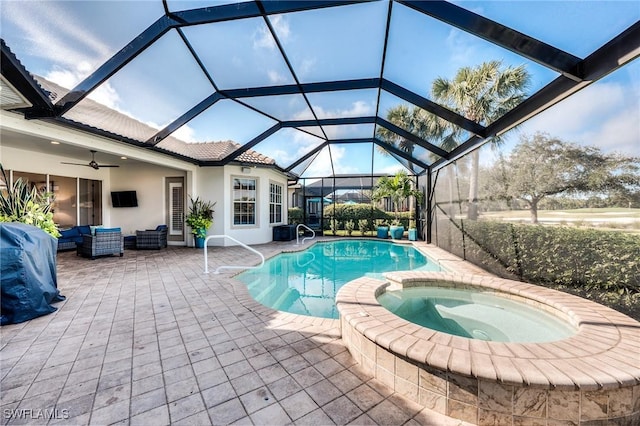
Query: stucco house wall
20	149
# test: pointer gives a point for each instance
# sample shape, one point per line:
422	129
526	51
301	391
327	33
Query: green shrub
575	257
333	224
295	215
363	226
19	203
349	226
354	212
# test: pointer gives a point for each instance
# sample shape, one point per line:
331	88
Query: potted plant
382	228
398	188
413	231
396	230
199	219
18	203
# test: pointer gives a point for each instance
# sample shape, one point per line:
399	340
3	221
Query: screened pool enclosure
337	93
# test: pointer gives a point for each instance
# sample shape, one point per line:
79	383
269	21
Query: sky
64	41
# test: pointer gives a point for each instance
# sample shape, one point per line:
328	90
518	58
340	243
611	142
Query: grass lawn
624	219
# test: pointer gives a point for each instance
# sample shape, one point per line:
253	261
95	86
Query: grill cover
28	282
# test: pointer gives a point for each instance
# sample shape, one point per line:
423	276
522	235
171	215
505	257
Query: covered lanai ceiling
298	82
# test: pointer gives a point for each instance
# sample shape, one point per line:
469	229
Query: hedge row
343	213
588	258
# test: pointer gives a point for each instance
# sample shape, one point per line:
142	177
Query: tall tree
541	166
416	121
481	94
398	188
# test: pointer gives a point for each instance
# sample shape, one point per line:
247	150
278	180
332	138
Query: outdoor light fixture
246	170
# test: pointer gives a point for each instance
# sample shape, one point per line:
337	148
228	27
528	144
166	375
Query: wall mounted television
124	199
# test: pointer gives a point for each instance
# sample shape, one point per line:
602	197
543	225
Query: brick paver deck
149	339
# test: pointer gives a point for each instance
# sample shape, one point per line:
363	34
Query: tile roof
96	115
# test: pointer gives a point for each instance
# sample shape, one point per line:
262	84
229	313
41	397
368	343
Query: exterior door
314	212
175	208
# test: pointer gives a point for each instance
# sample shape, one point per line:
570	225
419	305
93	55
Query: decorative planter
199	242
383	232
413	234
396	232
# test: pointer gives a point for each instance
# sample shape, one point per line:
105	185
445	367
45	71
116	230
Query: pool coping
603	354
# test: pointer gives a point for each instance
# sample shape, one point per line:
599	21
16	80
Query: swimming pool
306	282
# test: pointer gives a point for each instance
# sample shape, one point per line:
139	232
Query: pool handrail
217	271
305	238
304	253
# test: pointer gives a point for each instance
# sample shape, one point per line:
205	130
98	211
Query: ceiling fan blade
75	164
93	163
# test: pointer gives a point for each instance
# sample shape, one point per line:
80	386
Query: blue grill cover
28	282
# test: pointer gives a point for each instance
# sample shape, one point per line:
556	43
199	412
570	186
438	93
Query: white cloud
294	145
306	66
321	166
64	77
357	109
460	49
303	114
281	26
392	169
59	36
237	62
185	134
619	133
262	38
69	78
275	77
72	50
302	144
604	115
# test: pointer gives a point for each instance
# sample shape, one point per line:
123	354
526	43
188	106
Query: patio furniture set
94	242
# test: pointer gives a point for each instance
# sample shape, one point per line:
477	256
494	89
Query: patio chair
152	238
105	242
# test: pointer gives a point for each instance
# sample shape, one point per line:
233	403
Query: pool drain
481	335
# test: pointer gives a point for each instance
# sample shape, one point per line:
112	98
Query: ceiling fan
93	164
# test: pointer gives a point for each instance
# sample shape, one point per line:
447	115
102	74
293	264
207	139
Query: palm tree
398	188
417	121
401	116
481	94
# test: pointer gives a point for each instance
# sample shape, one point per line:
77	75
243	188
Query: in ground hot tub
592	375
476	313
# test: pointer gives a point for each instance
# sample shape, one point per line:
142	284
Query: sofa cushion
84	229
68	234
102	230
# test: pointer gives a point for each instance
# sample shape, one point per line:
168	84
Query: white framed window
244	200
275	202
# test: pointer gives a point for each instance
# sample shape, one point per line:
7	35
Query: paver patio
150	339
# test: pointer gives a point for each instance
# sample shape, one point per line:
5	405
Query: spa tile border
591	378
602	354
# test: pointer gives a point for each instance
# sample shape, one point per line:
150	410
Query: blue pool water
475	314
306	282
